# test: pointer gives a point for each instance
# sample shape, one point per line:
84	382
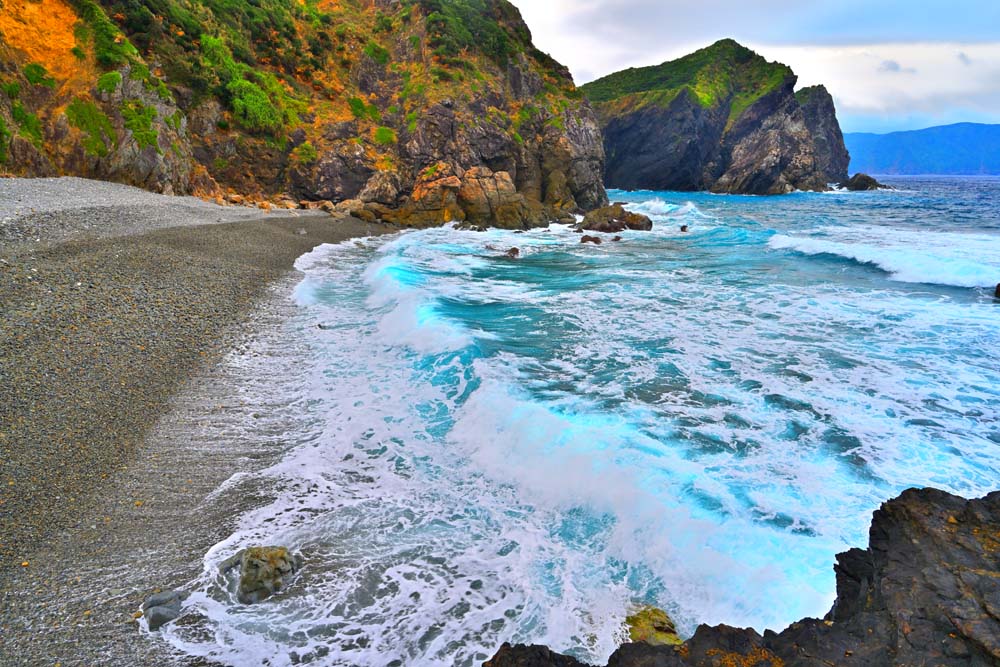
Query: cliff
721	119
422	111
926	591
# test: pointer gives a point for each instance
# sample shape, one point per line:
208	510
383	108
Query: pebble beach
112	302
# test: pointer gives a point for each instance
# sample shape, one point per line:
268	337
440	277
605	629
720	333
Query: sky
890	65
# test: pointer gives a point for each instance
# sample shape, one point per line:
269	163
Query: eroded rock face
925	592
832	157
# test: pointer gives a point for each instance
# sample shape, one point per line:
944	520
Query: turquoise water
522	450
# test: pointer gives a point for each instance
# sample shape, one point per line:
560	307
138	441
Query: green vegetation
29	126
109	82
86	117
487	27
377	52
139	120
305	154
725	71
110	46
253	108
12	89
37	75
364	111
5	137
385	136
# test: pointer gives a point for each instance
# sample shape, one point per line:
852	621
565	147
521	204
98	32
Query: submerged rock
263	571
997	293
615	218
596	240
514	253
925	592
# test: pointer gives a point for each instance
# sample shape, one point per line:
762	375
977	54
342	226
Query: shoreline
100	339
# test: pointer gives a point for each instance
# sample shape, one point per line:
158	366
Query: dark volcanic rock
831	153
997	293
863	182
748	133
925	592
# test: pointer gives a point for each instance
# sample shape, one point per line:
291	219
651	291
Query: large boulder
263	571
613	219
489	198
434	200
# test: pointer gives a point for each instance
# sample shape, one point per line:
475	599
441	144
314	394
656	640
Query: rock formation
614	218
925	592
262	572
721	119
424	111
862	183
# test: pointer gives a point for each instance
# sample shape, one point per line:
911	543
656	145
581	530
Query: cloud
894	67
941	89
964	58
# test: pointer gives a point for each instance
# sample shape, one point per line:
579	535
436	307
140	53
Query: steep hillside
961	149
426	110
721	119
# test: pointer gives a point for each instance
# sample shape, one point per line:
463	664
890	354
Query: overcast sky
890	65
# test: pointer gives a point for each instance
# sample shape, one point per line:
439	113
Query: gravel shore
99	329
46	210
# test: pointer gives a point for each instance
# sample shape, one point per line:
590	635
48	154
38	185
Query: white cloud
934	84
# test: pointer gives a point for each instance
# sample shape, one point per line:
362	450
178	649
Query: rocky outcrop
721	119
832	157
862	183
353	101
613	219
926	591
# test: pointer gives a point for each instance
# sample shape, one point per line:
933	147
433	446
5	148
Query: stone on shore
263	572
613	219
162	608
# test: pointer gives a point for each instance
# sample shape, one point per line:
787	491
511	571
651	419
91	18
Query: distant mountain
961	149
721	119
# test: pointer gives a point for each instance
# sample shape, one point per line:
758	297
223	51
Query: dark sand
96	338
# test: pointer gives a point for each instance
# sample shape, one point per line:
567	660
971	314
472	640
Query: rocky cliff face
722	119
418	111
925	592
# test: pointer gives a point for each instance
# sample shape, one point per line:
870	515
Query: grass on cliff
97	128
724	71
139	120
5	137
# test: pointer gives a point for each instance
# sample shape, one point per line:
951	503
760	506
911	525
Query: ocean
486	449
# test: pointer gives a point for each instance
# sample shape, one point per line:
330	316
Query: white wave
943	258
